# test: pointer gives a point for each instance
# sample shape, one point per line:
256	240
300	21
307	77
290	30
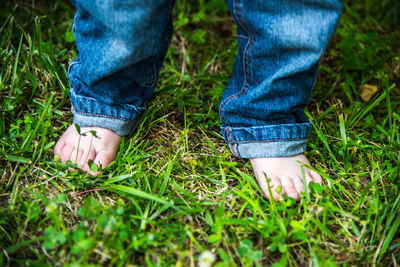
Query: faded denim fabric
122	44
121	47
280	45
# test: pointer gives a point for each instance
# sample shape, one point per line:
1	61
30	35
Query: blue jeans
122	44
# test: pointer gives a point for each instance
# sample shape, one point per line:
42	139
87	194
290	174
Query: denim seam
70	65
246	58
228	134
148	75
266	141
154	74
147	72
98	115
234	149
237	150
242	36
151	74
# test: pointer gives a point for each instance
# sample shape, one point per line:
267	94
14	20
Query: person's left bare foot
284	173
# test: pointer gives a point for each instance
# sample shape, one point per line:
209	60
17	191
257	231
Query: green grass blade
250	180
138	193
303	174
389	237
322	138
119	178
166	179
327	231
342	130
370	107
18	159
14	74
15	247
30	137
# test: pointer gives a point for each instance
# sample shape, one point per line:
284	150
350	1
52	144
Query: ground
175	195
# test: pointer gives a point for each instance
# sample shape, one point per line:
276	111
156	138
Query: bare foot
80	149
284	172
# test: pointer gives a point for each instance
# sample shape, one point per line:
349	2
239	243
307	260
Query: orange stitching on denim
246	60
267	141
101	115
228	133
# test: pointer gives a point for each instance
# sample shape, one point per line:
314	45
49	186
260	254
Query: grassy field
175	192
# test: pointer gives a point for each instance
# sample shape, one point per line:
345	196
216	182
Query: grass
175	191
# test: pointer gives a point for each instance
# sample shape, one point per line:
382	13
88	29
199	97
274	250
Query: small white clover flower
151	237
51	207
206	259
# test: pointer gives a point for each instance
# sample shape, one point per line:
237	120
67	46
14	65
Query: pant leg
121	45
280	44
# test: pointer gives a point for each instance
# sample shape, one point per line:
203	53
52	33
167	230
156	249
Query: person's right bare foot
79	149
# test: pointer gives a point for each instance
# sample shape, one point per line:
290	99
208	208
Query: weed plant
175	196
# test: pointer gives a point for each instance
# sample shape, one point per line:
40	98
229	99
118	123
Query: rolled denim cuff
90	112
267	141
120	127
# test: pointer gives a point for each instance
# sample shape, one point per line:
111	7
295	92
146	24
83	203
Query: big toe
59	147
102	159
87	156
66	152
316	177
270	185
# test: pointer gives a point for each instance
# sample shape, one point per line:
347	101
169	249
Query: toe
298	184
75	155
59	146
81	158
270	185
288	187
276	188
316	177
86	157
65	153
104	158
307	176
